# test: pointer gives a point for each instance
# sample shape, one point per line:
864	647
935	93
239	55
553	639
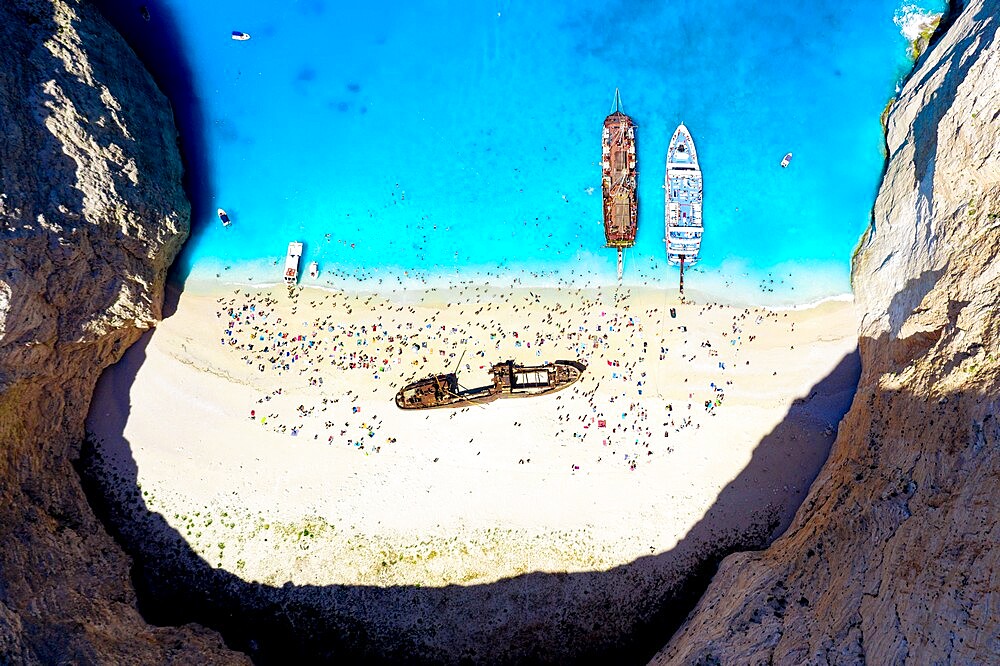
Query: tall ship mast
618	180
683	186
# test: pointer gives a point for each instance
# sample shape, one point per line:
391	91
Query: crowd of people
650	381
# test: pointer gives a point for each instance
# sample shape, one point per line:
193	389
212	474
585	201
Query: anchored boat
619	174
786	160
292	262
683	194
224	217
510	380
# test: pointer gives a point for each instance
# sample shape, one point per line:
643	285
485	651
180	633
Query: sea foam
913	19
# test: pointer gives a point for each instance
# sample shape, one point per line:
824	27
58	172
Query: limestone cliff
91	215
892	558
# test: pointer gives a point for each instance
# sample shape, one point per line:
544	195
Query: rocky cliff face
91	215
892	557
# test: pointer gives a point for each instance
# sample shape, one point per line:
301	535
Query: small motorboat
786	160
145	12
313	270
225	218
241	36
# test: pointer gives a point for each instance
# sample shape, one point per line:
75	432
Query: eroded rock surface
91	215
892	558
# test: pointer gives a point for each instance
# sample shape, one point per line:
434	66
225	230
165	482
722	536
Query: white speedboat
241	36
313	270
786	160
683	186
225	218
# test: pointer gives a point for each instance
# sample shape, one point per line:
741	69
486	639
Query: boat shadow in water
625	614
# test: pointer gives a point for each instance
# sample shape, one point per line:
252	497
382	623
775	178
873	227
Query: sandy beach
263	428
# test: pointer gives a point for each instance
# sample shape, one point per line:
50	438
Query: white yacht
292	262
683	186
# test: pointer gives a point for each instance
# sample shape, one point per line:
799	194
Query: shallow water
436	141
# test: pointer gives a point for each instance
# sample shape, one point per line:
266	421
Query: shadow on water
160	46
625	614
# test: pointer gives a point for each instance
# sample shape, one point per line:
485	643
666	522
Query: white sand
442	496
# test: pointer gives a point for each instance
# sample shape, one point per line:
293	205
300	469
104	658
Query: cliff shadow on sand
892	558
91	219
889	560
622	614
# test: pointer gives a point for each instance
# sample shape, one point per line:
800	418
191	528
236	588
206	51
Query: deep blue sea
411	141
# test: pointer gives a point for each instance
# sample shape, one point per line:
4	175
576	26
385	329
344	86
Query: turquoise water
442	140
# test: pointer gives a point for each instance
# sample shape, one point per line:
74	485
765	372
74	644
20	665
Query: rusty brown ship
619	180
510	380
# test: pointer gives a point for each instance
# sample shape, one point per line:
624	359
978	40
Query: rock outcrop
91	215
892	558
